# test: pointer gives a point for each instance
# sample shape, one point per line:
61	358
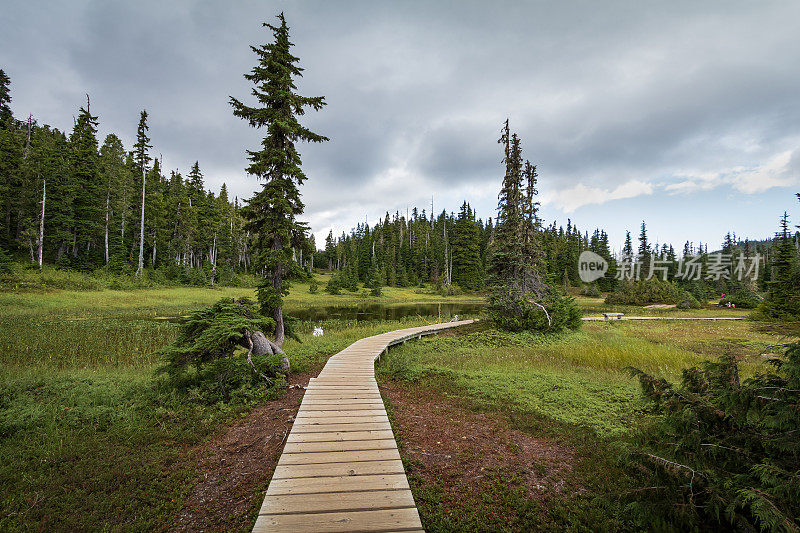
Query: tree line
71	201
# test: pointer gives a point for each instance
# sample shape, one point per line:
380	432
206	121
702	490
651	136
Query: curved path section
340	469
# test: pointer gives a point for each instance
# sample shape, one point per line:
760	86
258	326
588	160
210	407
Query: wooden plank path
340	469
604	319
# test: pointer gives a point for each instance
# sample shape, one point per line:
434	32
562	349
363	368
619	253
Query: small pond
376	311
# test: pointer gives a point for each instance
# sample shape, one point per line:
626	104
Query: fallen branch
549	322
766	351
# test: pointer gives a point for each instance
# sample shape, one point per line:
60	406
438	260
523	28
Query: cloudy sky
683	114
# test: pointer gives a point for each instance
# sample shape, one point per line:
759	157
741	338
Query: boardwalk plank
340	445
308	458
337	501
333	428
364	521
339	436
338	470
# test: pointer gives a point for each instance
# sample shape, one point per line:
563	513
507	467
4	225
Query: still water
373	311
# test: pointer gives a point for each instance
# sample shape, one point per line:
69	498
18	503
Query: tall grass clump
47	343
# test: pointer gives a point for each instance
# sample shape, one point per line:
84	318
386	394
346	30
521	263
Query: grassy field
575	378
90	440
571	391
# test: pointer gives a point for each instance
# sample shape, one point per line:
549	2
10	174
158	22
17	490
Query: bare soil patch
236	465
467	453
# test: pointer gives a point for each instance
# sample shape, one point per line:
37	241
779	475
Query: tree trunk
141	232
30	247
108	199
277	279
279	326
259	344
41	225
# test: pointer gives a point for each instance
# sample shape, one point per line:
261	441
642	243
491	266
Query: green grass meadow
578	378
573	390
92	440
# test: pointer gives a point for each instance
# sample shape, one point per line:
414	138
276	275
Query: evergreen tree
271	213
10	161
507	261
5	98
783	300
519	298
627	248
154	208
141	158
89	194
644	250
467	269
722	450
112	168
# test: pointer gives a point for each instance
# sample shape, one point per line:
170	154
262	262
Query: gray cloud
602	94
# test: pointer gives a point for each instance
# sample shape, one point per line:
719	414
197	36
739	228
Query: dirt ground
463	451
445	444
237	464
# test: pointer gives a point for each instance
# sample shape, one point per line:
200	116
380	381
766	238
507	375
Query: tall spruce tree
10	161
141	157
5	98
271	213
115	177
644	250
89	197
627	248
783	299
506	262
531	227
467	269
520	299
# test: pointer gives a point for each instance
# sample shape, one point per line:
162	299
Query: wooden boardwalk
687	318
340	469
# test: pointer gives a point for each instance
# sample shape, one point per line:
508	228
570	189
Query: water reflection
373	311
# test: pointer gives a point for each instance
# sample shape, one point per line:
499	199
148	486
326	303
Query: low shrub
334	285
742	298
590	290
645	292
447	290
512	311
723	454
204	356
6	261
700	289
689	302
